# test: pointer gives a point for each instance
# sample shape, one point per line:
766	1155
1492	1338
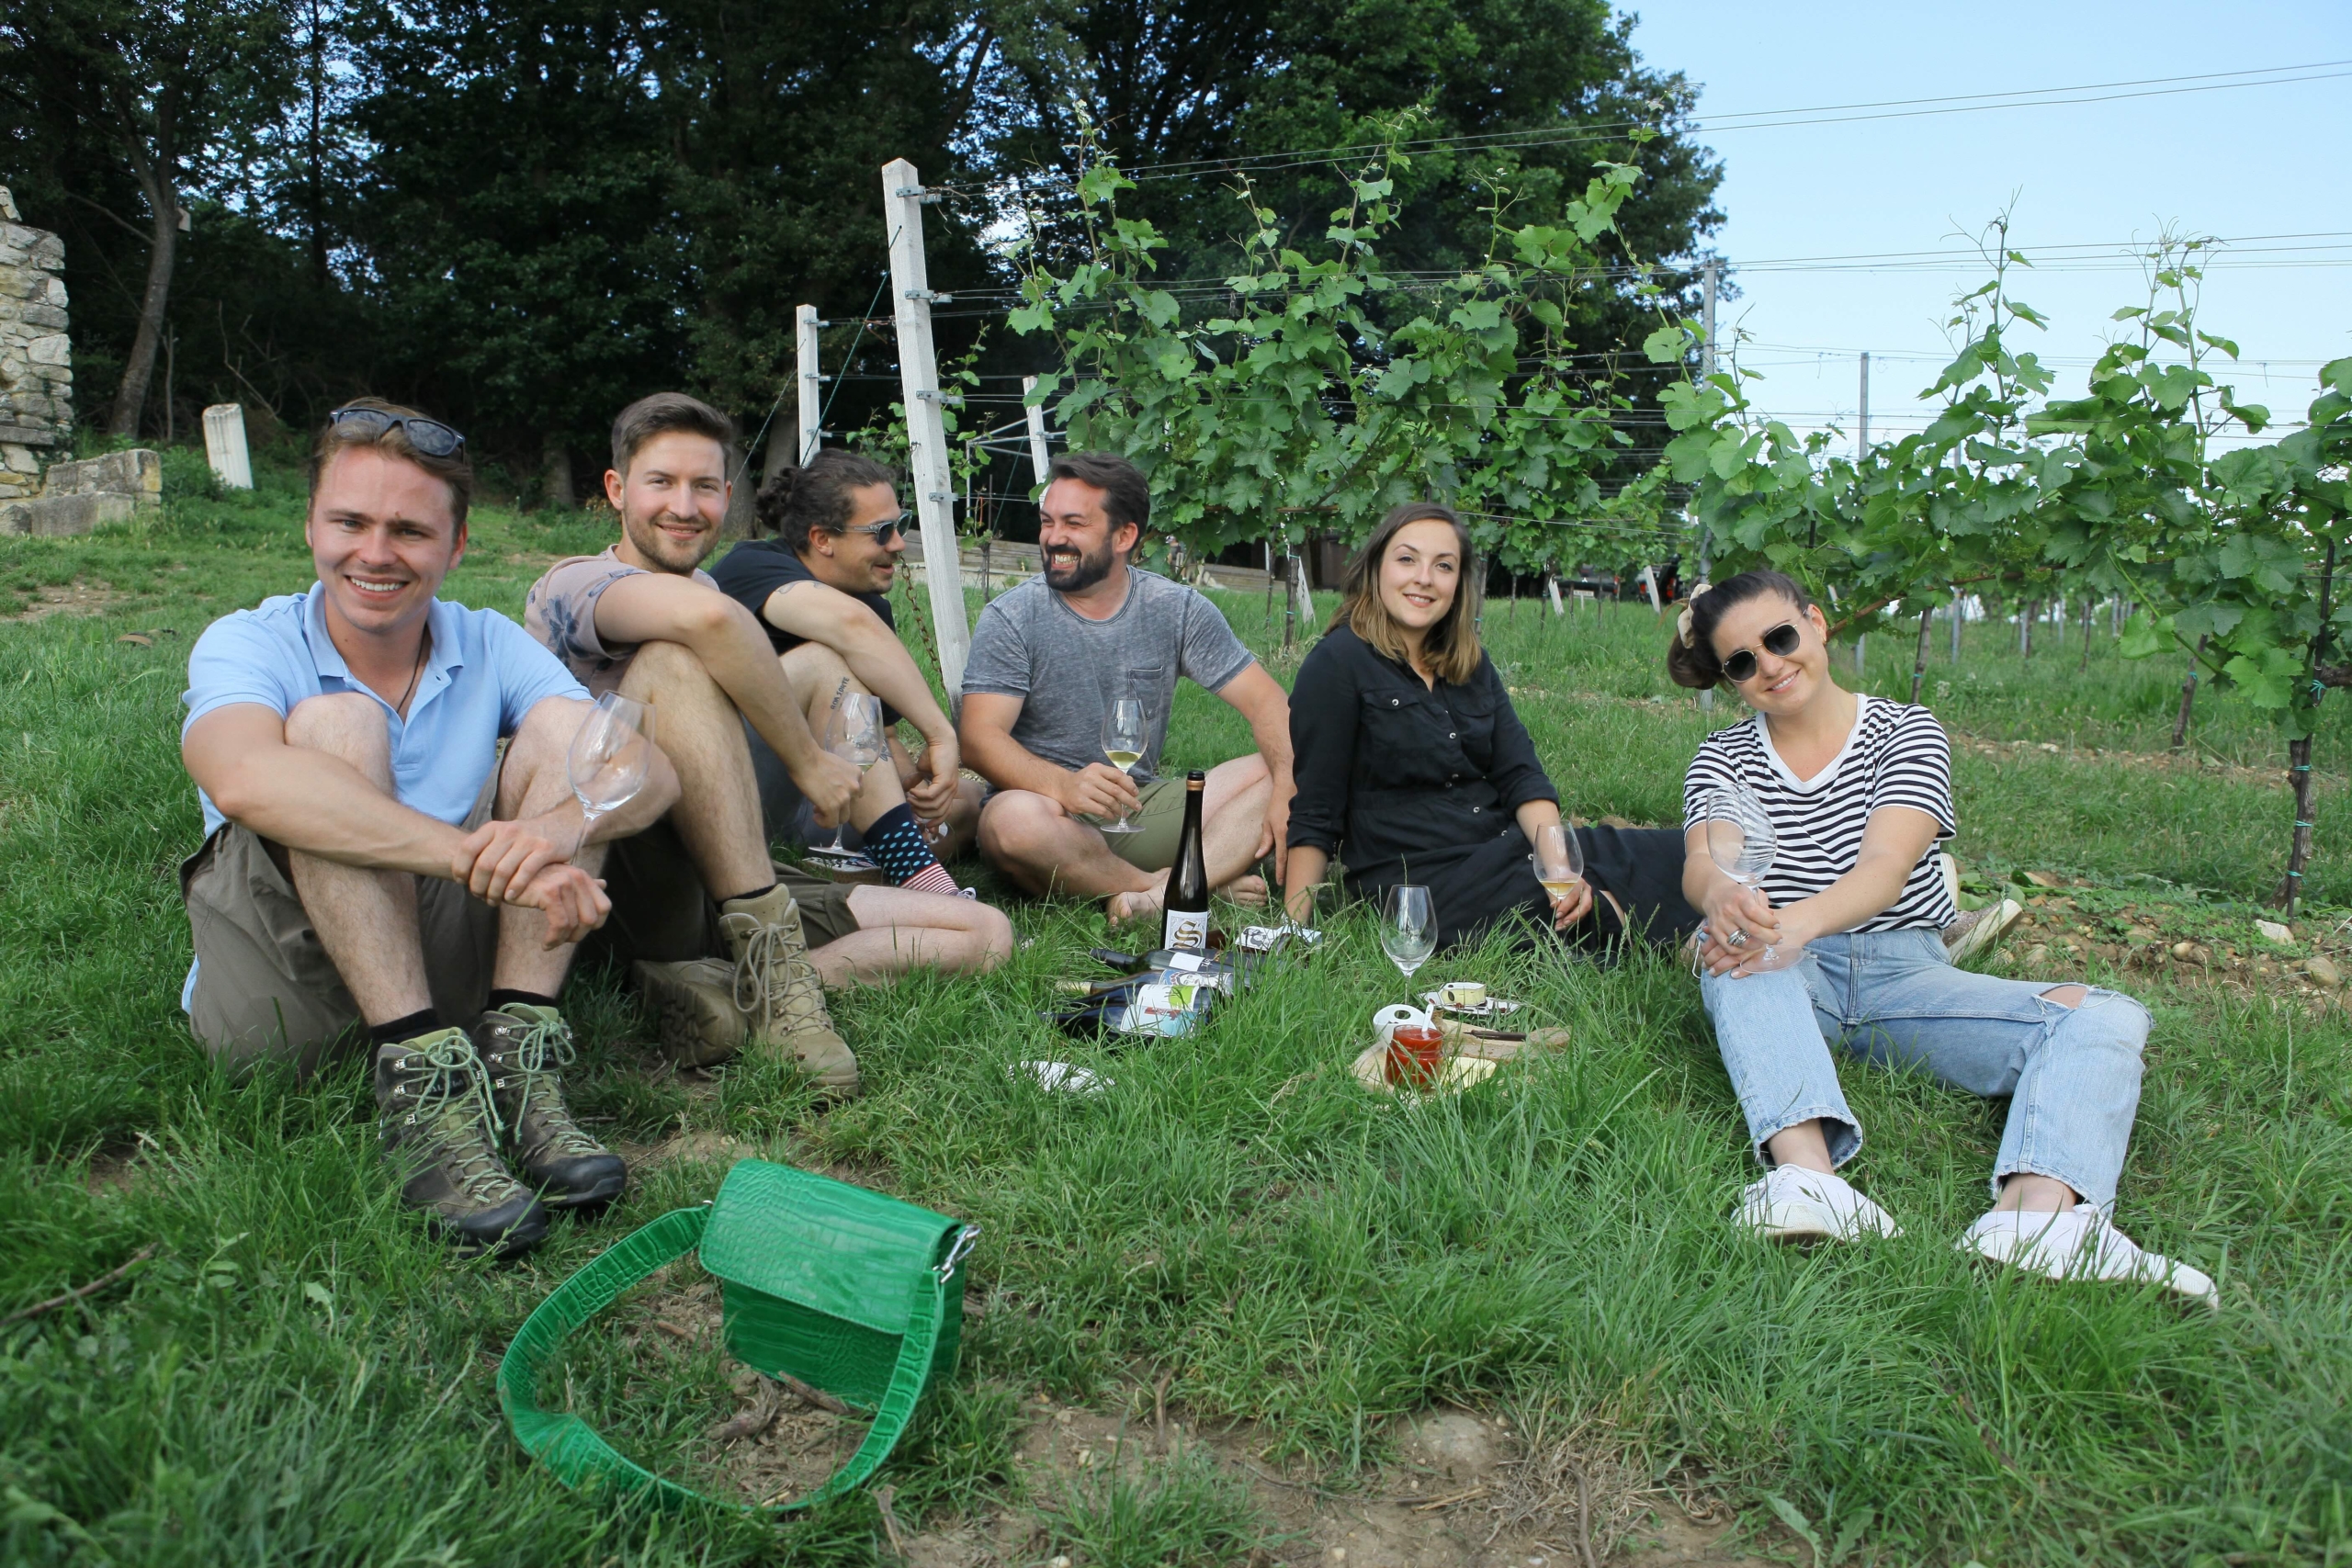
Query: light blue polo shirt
482	675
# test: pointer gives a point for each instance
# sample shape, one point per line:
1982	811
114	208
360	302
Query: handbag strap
580	1457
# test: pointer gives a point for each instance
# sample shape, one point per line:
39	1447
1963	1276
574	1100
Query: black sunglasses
429	436
1781	640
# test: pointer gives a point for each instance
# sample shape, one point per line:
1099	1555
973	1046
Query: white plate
1493	1007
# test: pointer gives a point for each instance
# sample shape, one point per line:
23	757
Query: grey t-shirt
1066	669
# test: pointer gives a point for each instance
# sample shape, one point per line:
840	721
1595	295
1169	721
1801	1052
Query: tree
162	88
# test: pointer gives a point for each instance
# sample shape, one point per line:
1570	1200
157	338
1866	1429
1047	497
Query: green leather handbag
848	1291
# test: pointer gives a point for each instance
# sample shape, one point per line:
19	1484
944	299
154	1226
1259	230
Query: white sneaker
1795	1204
2080	1243
1979	928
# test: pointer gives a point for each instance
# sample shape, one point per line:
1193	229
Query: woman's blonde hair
1451	648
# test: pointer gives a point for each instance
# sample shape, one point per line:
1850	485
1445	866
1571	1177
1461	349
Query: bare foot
1141	904
1247	891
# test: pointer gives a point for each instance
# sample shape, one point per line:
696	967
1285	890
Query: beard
657	547
1081	575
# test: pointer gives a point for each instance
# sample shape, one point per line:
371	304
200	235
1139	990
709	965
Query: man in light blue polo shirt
371	866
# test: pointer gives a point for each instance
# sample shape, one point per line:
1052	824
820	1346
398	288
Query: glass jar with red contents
1416	1054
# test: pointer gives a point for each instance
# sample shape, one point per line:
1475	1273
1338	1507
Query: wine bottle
1184	911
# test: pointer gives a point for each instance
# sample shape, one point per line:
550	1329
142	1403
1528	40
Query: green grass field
297	1374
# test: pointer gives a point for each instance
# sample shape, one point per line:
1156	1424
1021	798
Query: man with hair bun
642	619
819	585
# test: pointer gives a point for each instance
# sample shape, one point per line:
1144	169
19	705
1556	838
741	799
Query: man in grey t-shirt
1049	658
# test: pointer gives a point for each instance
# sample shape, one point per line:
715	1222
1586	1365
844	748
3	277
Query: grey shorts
661	911
265	990
784	813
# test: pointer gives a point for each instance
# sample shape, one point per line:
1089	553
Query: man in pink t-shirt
644	620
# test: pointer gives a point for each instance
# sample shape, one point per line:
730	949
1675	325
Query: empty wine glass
610	756
854	735
1742	843
1407	927
1559	860
1123	737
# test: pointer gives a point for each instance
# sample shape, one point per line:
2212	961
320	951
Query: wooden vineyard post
812	402
1919	654
1959	615
902	203
2187	698
2298	750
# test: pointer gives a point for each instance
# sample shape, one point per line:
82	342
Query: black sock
754	893
499	998
400	1028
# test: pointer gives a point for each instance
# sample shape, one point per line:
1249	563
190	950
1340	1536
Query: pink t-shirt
560	611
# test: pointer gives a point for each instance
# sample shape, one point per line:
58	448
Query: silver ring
1737	939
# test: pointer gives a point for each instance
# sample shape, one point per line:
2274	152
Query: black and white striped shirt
1896	756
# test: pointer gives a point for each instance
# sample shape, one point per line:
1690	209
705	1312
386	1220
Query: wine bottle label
1185	961
1184	928
1167	1011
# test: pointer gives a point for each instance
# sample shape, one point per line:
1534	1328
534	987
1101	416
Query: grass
298	1375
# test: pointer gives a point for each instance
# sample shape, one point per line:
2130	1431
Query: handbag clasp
965	1241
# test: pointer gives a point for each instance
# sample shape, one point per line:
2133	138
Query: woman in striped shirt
1859	792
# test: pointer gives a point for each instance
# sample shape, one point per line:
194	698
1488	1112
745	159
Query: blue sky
2274	159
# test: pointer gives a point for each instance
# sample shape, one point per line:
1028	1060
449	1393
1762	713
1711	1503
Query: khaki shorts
663	913
1160	819
265	990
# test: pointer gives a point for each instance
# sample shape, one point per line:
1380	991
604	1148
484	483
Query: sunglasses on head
429	436
1781	641
881	533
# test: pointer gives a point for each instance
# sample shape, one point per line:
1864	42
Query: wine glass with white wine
610	757
1407	926
1124	737
1559	861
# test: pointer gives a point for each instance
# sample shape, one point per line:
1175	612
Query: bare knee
538	748
659	666
993	932
2067	996
349	725
819	676
1015	822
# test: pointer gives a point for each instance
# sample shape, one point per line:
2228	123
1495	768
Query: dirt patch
2069	931
112	1173
1465	1492
709	1147
77	598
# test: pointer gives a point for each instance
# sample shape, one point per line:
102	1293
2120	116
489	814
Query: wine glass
854	735
1742	843
1559	860
1407	927
1123	737
610	756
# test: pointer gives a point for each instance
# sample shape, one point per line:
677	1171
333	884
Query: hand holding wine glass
1559	866
1742	843
1124	738
1407	927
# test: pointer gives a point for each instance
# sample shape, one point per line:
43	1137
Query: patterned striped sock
895	843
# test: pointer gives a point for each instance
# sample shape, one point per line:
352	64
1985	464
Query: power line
1761	119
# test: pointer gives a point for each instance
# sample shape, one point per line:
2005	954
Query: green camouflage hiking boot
694	1008
440	1140
522	1047
776	988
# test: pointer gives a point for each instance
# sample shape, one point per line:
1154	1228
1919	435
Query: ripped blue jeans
2071	1075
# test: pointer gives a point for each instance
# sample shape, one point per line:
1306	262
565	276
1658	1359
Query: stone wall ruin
36	358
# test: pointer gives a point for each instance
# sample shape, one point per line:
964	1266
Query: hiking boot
440	1135
523	1048
694	1008
777	989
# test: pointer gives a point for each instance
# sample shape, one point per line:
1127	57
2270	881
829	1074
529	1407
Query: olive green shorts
1160	819
265	990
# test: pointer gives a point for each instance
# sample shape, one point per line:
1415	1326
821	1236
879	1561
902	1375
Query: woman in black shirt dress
1412	766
